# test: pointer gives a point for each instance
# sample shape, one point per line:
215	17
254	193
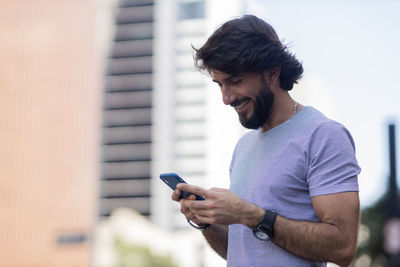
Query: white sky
351	60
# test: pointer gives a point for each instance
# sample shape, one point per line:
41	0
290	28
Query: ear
272	75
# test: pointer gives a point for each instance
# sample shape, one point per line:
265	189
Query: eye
236	81
218	83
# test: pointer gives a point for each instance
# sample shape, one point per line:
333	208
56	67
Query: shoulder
332	163
332	133
320	127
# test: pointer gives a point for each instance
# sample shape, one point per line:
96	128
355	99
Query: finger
189	214
194	189
191	197
217	189
184	209
203	220
196	205
192	215
176	195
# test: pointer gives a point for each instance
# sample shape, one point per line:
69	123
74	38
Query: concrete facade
50	97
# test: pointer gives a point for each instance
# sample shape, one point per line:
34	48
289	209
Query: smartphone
172	179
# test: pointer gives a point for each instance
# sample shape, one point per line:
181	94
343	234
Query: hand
220	206
176	196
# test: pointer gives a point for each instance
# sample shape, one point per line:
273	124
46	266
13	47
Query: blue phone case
172	179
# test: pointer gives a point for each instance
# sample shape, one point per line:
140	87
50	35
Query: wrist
265	230
253	216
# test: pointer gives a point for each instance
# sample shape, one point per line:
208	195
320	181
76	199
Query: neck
282	109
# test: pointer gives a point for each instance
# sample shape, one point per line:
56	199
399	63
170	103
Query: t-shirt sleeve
333	167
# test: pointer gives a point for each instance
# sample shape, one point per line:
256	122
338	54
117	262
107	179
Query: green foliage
374	218
139	256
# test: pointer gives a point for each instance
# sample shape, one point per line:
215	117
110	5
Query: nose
228	96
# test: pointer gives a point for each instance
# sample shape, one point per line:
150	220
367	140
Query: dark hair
248	44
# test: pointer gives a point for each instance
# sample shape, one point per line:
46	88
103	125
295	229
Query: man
293	198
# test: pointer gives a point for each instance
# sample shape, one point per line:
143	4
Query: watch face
261	235
265	230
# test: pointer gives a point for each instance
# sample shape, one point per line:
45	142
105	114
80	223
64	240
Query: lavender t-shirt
308	155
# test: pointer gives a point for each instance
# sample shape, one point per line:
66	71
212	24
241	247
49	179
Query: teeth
242	105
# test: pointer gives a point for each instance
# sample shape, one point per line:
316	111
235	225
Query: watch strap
267	223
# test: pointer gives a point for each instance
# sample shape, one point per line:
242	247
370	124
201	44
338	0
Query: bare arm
333	239
217	237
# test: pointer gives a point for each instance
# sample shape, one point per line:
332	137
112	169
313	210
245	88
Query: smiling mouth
241	105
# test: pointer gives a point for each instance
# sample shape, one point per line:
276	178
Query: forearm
217	237
315	241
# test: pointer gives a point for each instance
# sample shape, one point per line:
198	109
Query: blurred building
50	102
127	122
160	114
193	132
77	145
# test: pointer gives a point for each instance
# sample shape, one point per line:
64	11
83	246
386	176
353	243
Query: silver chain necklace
295	108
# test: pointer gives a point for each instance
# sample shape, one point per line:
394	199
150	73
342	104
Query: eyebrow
216	81
230	77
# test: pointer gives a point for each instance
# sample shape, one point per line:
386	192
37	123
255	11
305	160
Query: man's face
249	94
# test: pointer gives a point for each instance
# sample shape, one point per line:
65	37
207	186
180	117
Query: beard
262	108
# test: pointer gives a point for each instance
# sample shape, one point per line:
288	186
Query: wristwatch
265	230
